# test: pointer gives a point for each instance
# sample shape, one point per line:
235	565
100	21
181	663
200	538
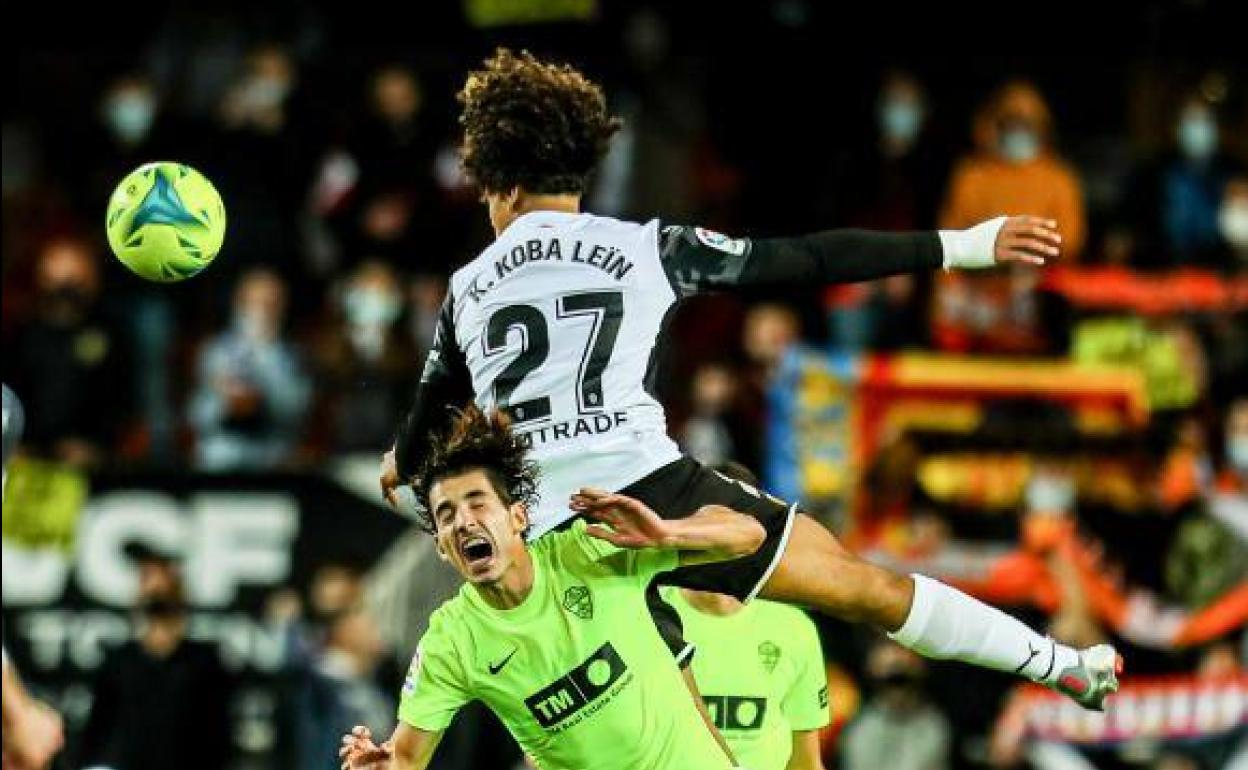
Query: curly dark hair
532	124
476	441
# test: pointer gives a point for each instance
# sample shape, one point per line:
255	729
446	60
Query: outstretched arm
699	260
713	533
445	383
807	753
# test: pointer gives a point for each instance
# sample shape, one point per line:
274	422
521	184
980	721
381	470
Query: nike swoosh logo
496	667
1032	652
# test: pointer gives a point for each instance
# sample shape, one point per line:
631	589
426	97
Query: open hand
631	522
1027	240
390	480
358	751
36	737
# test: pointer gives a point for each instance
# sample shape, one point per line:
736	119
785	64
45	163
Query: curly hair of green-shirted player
536	125
478	441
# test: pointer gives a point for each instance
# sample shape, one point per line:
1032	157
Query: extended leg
928	616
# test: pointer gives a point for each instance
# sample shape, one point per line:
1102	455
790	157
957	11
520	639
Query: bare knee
885	597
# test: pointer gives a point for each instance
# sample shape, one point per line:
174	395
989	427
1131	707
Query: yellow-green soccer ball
165	221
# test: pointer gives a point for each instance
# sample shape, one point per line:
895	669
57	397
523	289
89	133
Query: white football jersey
557	322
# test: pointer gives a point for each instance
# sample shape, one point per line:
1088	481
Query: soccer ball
165	221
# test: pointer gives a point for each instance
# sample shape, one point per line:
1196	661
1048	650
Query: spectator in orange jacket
1015	168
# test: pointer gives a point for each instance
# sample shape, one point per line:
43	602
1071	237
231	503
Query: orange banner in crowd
1140	617
1025	578
1178	291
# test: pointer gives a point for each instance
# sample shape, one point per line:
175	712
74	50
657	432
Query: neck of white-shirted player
505	212
527	203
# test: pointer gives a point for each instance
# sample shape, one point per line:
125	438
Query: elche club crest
769	655
578	601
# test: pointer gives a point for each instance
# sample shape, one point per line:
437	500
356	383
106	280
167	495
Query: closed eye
444	515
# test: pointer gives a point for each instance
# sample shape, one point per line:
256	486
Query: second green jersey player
555	637
761	673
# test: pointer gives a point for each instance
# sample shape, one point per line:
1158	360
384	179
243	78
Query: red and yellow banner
1159	708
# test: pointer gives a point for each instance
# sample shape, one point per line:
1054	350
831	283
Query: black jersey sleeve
698	260
445	384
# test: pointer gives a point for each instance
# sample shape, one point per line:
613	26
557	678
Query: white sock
945	623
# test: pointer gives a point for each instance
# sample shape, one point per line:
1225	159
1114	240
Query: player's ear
437	545
519	517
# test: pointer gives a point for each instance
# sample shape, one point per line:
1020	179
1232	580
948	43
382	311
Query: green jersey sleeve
642	563
805	703
435	688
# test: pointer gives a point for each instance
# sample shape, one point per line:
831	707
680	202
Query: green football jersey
761	674
577	672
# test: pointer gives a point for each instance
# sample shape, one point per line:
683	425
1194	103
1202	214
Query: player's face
477	532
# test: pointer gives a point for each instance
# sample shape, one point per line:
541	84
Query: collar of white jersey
549	218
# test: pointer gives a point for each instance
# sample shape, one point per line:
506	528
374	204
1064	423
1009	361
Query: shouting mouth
477	551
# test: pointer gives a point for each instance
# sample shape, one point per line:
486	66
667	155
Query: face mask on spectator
1237	453
1050	494
264	93
1198	137
1233	223
67	299
910	680
130	116
253	325
370	307
1019	144
161	607
900	120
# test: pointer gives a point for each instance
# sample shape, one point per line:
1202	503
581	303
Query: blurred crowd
347	212
165	699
